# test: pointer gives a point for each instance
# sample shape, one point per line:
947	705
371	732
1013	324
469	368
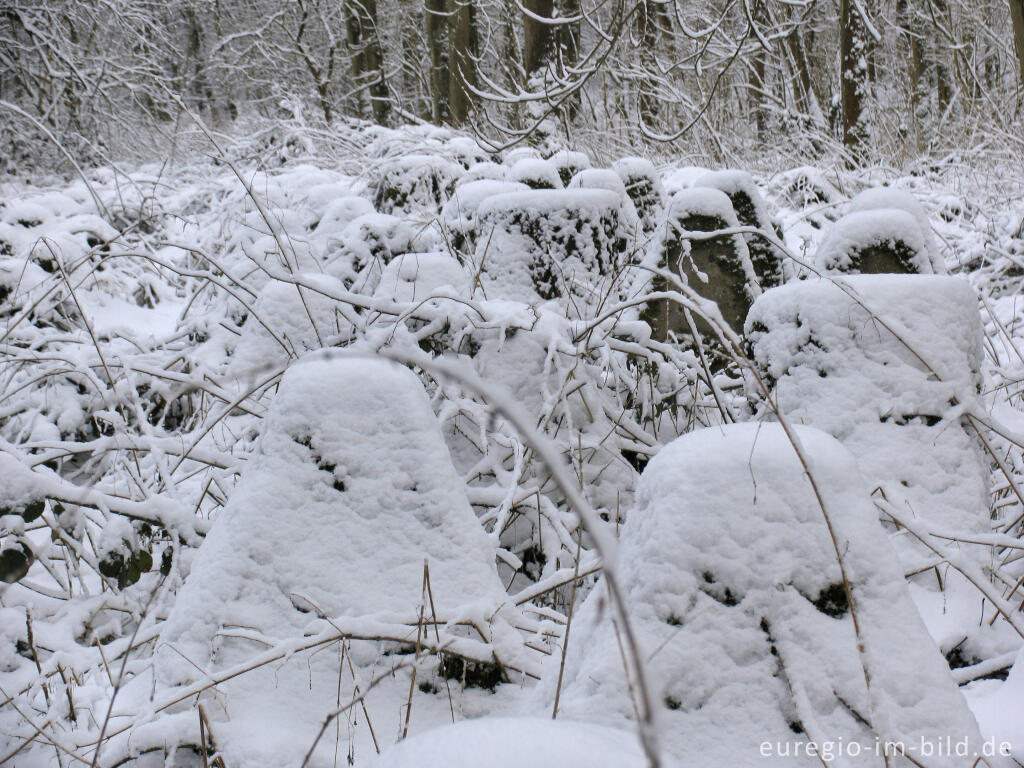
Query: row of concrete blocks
742	613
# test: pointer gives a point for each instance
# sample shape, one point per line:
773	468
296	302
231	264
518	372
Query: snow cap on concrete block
339	213
877	198
569	163
886	240
536	173
459	214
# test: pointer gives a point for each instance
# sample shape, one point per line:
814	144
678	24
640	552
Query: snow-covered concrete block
465	151
717	268
887	364
287	321
368	243
883	363
751	211
415	184
643	184
603	178
485	170
350	492
536	173
541	244
743	616
413	277
805	187
879	241
568	164
459	214
341	212
880	198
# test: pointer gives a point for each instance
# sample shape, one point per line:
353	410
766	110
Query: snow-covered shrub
415	184
568	164
751	211
882	241
19	281
350	492
536	173
643	184
459	215
541	244
717	268
741	610
268	242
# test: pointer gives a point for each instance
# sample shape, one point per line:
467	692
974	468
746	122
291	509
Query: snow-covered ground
218	539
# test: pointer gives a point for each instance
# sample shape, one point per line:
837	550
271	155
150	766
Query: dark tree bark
538	37
464	50
438	28
1017	21
852	74
367	56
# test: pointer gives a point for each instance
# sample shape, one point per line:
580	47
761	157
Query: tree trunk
852	74
367	56
1017	20
437	43
650	27
538	39
464	44
758	83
